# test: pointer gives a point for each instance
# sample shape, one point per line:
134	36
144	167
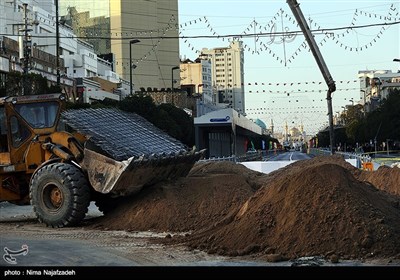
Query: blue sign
220	119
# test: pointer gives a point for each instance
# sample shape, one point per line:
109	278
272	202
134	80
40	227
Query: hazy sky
294	91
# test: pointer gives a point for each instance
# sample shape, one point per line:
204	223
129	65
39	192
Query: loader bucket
124	152
122	178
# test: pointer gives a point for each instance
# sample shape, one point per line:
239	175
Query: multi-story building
228	75
196	78
78	63
113	24
375	85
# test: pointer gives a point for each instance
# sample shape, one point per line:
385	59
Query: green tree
353	116
36	84
183	121
166	117
380	124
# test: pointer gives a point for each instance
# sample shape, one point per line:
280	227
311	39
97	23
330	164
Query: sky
282	80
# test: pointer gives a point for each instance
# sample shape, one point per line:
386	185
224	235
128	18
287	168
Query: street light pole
134	41
172	77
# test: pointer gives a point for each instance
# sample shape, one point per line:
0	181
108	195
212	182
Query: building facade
77	59
114	23
196	78
228	74
375	85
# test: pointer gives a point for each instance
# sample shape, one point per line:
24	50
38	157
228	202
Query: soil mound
312	207
298	166
211	192
320	206
384	178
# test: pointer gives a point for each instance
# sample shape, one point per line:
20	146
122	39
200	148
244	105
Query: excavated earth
318	207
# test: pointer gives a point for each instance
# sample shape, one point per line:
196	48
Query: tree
380	124
13	84
352	118
183	121
166	117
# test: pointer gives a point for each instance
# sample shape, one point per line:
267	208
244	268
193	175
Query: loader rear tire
59	194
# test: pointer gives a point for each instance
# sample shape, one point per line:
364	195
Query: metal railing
260	155
360	157
251	156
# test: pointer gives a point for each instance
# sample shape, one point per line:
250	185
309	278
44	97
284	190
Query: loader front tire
59	194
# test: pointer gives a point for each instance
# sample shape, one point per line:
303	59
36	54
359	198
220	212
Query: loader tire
60	195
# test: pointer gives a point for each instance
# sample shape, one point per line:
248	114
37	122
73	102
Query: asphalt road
83	246
290	156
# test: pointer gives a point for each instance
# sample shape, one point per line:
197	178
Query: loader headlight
62	97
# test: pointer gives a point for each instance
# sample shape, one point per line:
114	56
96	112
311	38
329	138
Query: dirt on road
323	206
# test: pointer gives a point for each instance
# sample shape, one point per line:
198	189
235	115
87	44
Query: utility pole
26	51
57	46
26	34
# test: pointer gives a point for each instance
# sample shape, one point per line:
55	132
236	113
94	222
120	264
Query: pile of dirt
211	192
384	178
312	207
320	206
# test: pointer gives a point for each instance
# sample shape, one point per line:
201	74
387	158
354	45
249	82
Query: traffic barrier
368	166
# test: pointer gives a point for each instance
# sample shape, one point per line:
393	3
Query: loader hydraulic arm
295	7
69	142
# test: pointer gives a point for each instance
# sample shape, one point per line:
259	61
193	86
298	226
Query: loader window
3	131
39	115
19	132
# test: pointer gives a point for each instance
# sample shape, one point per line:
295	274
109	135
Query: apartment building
113	24
227	65
376	85
77	59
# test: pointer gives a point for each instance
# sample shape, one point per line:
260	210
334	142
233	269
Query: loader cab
22	119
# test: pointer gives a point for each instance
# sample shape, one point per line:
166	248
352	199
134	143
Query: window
19	132
3	131
38	115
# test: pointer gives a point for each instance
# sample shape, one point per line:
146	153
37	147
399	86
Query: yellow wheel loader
59	160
